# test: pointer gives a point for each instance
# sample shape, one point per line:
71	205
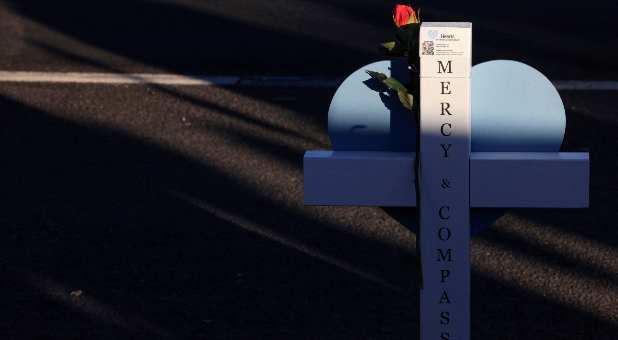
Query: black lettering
444	273
445	107
445	318
442	212
444	298
441	235
446	147
445	257
445	85
442	68
442	129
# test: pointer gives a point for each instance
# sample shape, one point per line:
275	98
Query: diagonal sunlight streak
562	242
278	182
314	252
530	273
90	306
275	183
241	108
235	110
245	108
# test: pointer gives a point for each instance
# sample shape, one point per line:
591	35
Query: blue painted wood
514	108
497	179
359	178
529	180
363	117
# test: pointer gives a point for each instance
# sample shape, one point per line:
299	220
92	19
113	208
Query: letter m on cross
445	67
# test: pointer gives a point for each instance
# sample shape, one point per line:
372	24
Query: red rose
404	15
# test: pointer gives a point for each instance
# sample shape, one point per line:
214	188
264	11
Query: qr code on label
427	47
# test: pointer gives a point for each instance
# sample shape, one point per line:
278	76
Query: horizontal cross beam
497	179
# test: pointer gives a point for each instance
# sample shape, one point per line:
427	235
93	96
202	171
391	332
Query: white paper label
445	51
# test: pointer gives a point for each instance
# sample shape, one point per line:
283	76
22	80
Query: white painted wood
444	206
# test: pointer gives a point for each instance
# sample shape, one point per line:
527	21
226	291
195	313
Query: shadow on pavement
89	209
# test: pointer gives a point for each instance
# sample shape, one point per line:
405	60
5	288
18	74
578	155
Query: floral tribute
405	45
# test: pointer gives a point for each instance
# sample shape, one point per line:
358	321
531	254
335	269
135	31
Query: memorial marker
519	170
444	179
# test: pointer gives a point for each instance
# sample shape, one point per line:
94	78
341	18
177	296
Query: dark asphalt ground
144	211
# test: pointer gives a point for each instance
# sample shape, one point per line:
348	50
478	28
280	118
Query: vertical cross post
444	206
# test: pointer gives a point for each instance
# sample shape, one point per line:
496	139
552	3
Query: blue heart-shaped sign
515	108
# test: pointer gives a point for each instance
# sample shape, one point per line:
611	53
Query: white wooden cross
452	178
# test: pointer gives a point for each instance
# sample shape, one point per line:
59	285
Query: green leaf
394	84
392	49
406	99
389	46
377	75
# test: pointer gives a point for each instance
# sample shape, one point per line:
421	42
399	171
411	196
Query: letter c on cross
445	209
442	129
